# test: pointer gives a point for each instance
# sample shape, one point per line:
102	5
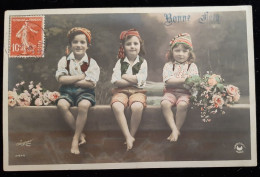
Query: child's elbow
61	80
92	84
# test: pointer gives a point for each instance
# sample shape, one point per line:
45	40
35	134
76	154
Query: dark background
236	171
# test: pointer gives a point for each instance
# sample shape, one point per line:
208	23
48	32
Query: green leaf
220	87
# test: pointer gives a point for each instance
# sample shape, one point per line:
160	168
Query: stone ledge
101	117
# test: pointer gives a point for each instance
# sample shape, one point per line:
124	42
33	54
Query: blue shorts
75	94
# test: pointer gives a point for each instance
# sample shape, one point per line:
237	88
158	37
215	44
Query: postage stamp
113	88
26	36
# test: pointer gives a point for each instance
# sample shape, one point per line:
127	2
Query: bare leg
83	108
168	114
137	111
181	113
64	108
118	109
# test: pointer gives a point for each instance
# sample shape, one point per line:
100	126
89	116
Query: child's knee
182	105
84	105
118	106
166	104
63	104
137	106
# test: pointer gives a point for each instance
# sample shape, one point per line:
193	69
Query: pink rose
217	101
236	97
12	97
212	80
232	90
24	100
53	96
38	102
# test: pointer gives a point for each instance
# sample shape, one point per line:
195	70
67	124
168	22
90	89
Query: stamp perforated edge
43	37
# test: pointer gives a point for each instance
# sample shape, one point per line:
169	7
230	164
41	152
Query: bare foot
82	139
74	146
174	136
129	143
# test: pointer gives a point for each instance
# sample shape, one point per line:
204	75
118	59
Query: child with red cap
78	74
180	65
129	76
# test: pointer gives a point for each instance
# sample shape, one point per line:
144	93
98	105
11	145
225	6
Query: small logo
239	147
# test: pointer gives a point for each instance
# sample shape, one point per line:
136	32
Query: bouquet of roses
210	94
35	95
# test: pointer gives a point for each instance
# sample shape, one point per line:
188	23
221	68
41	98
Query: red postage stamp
26	36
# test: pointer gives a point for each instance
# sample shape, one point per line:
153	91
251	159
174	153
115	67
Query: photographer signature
25	143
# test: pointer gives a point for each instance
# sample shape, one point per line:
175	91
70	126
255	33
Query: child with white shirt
78	74
180	66
129	76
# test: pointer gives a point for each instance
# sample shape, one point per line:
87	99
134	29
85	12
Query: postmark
26	36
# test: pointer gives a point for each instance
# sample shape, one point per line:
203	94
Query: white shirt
92	74
141	75
180	70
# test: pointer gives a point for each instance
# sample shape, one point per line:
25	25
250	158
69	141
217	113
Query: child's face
180	54
79	46
132	47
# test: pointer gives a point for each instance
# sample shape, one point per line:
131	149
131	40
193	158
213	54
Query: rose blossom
53	96
212	80
236	97
217	101
38	102
232	90
12	97
24	100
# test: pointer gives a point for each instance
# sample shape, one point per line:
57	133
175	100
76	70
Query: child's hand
124	76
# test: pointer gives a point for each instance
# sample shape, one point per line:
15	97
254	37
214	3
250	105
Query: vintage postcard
124	88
